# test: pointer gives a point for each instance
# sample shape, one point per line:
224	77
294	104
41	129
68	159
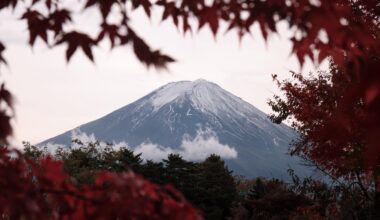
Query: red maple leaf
74	40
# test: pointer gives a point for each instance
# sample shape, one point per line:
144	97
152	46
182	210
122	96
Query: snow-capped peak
204	95
199	81
172	91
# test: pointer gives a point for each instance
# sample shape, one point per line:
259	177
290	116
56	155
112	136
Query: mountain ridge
178	109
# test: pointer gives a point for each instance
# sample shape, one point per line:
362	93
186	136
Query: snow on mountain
174	118
206	96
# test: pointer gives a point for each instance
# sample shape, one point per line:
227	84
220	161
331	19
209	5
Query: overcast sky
54	96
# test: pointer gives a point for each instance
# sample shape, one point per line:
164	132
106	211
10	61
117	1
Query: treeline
208	185
211	187
307	198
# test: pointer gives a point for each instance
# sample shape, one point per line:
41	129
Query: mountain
180	112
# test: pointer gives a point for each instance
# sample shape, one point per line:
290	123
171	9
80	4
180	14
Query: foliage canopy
347	31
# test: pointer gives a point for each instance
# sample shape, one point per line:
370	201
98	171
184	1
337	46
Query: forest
213	189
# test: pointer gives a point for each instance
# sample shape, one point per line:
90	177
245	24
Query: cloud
198	148
153	152
119	145
76	134
203	145
51	148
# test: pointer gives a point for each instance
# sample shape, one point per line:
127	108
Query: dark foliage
302	199
343	155
208	185
42	190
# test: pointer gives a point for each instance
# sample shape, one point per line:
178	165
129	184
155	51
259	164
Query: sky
53	96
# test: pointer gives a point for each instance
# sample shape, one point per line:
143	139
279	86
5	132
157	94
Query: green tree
120	160
182	174
32	152
84	161
81	163
153	171
257	191
217	187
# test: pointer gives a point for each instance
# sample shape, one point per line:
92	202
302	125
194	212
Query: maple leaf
5	118
57	19
302	49
6	96
185	24
6	3
104	6
146	55
372	93
113	34
74	40
53	170
2	49
5	127
38	25
170	10
144	3
209	15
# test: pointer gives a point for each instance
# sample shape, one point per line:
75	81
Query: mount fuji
198	118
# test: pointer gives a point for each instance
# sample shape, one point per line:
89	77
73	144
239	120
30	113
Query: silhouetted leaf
38	25
2	49
74	40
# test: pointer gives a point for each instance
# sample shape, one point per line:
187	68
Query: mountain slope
181	109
